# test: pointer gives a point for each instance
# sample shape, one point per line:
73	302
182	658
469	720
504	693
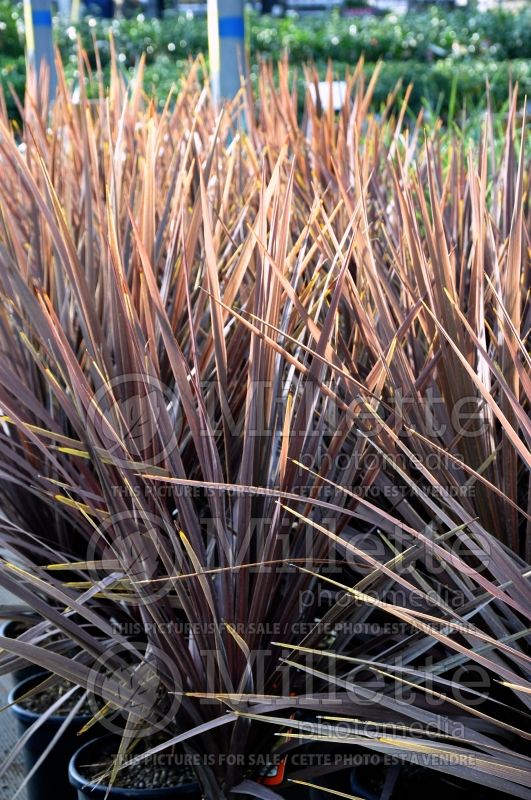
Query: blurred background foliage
447	55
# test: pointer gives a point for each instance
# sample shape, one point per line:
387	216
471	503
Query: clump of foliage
264	392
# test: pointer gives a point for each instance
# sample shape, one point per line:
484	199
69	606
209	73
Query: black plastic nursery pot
408	782
90	752
338	782
50	781
11	628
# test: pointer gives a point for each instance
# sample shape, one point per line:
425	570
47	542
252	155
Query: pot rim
5	622
26	713
79	782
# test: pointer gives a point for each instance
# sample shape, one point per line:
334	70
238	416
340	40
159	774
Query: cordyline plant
264	437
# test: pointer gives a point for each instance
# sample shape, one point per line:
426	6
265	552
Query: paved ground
12	779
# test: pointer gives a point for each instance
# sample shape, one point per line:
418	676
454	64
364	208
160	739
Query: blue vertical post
213	46
231	32
39	40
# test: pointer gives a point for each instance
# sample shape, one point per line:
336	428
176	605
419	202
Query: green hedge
434	85
425	36
445	55
496	35
11	29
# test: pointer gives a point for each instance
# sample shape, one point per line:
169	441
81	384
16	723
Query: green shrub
12	74
433	50
10	20
433	84
423	37
426	36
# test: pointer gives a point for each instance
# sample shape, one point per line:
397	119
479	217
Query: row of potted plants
263	444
